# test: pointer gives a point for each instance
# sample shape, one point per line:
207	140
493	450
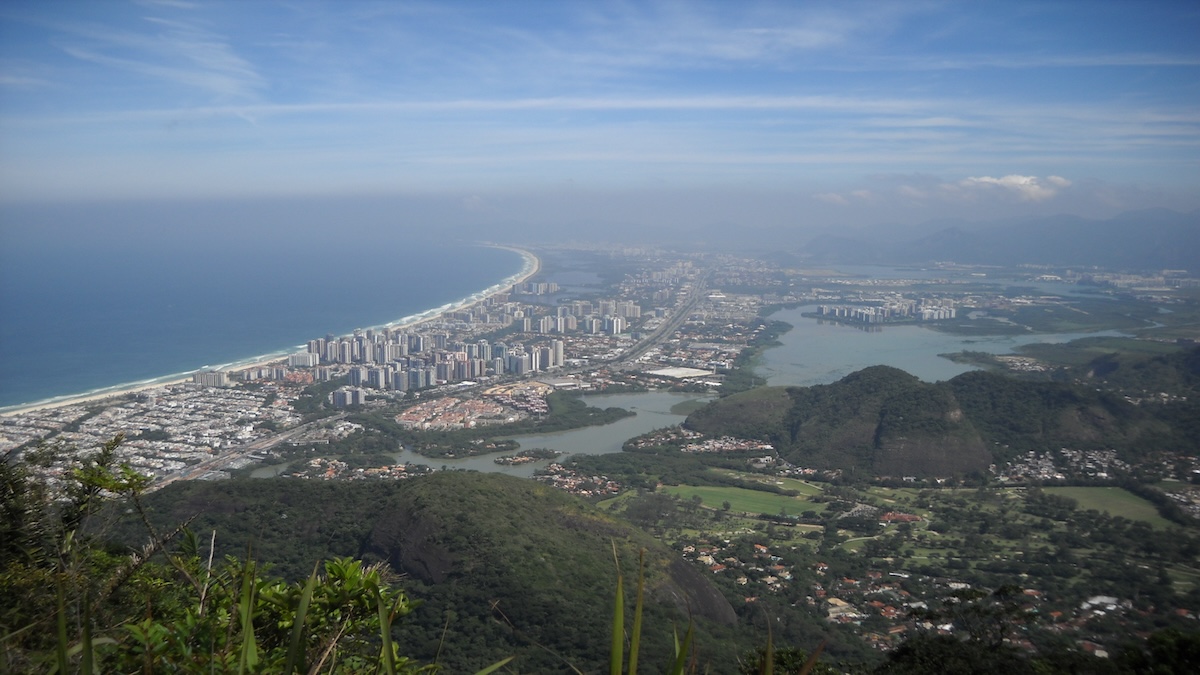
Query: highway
678	315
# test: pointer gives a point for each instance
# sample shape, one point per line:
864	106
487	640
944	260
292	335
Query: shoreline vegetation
530	266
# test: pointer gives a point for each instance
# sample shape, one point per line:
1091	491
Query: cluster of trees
74	601
883	420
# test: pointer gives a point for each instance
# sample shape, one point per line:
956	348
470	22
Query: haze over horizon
657	118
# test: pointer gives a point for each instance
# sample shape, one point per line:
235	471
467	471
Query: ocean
88	308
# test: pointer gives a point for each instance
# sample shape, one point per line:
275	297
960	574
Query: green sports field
1114	501
742	500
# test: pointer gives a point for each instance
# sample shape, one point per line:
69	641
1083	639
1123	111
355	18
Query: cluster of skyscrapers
397	360
403	361
888	312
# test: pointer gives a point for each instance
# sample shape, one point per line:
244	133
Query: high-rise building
400	380
211	378
357	376
347	396
377	378
416	344
303	360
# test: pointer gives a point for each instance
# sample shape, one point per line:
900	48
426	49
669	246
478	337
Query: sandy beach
531	266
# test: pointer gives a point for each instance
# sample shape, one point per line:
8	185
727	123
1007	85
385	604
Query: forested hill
884	421
504	565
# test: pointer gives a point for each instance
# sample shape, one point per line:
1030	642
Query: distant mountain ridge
1151	239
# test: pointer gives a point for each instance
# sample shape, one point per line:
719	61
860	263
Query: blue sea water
85	308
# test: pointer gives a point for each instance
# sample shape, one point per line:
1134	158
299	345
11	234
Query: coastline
531	265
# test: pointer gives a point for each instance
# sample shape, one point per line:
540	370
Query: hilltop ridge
887	422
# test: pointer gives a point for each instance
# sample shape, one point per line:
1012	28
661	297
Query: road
678	315
229	456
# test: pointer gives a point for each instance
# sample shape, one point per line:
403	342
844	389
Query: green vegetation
984	537
685	407
74	602
313	402
742	500
501	565
1077	315
747	414
883	421
879	419
1114	501
1083	351
497	567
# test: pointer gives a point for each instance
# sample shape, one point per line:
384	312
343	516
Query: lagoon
815	351
653	410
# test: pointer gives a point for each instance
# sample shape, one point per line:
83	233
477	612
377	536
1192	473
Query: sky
727	114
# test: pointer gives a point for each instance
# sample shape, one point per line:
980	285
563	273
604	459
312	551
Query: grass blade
61	651
812	660
768	664
295	655
385	636
635	637
86	664
682	650
618	630
249	650
495	666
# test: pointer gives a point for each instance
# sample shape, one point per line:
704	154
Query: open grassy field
1114	501
1080	352
803	487
742	500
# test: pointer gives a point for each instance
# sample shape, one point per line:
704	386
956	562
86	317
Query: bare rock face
408	544
690	591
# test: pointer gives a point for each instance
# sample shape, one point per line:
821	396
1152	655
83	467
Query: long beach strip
530	267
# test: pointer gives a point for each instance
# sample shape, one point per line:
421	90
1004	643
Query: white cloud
832	198
846	198
180	51
1028	188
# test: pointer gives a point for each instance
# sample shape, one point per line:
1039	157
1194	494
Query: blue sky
848	112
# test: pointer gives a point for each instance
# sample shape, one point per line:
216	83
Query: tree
120	611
